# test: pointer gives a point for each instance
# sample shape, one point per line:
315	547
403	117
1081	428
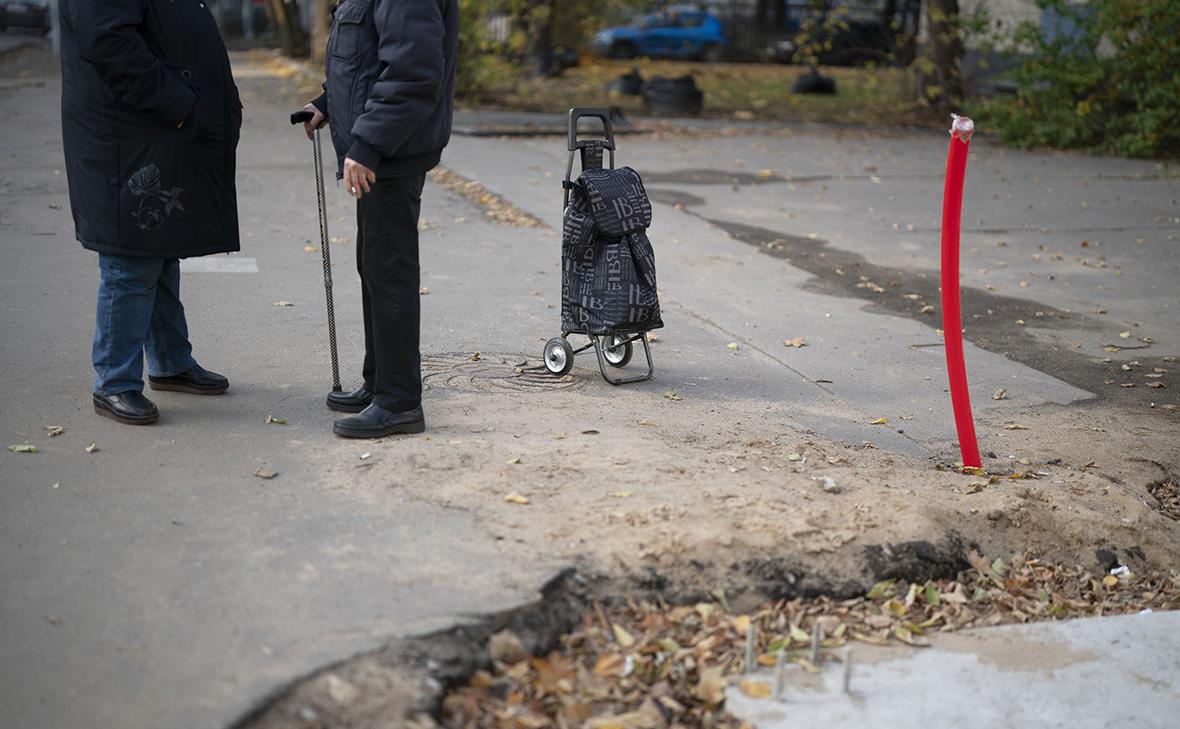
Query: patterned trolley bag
608	287
608	266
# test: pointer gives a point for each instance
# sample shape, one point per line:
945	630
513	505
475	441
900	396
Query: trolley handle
577	113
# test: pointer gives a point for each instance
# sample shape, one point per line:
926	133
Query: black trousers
387	261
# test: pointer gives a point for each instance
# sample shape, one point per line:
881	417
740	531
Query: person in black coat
150	125
388	96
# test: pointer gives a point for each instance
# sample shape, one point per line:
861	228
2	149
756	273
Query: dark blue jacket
132	71
390	81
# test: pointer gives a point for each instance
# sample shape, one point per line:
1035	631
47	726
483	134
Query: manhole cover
491	373
1168	494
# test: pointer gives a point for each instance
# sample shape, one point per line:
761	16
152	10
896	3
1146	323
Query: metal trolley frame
612	350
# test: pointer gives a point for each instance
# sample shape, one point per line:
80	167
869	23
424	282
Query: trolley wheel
558	356
616	350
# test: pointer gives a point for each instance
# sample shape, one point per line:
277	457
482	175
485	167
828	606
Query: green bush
1113	86
480	67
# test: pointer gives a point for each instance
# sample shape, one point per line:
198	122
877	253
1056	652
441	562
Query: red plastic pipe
952	319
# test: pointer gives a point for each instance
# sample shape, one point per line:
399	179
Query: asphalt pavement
155	581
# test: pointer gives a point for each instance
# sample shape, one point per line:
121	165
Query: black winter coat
389	93
132	70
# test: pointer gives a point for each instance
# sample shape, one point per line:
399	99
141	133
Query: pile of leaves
641	665
1167	492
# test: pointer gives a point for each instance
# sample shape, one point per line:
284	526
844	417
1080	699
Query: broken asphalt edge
426	667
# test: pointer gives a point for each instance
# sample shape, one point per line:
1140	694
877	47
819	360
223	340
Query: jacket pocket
353	34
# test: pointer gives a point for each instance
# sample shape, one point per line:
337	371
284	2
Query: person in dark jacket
150	124
388	98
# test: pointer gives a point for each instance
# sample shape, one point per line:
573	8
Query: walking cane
300	117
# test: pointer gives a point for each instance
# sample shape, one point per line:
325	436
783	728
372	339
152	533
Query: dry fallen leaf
880	421
796	342
513	461
710	687
672	395
515	497
54	430
1157	385
265	473
1015	426
1000	394
609	664
23	448
309	249
733	345
505	647
272	420
741	624
622	637
424	290
282	303
92	448
1125	335
754	689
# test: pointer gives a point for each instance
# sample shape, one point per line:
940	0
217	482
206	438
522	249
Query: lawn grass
741	91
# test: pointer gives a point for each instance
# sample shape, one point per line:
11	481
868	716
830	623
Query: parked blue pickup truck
669	34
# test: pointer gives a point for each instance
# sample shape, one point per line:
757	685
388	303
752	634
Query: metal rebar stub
749	648
962	128
815	644
848	670
780	674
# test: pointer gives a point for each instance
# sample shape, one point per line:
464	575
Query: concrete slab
1121	671
219	264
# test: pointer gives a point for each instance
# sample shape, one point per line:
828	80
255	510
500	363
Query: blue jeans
139	311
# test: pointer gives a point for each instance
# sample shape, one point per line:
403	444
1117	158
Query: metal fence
756	26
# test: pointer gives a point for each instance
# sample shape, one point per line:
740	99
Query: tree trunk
943	85
321	25
285	16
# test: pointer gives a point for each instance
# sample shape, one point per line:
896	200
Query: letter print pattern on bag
608	269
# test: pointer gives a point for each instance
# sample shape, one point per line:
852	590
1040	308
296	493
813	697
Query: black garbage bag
629	84
813	82
608	265
673	96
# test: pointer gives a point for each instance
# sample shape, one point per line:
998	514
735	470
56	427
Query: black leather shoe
377	422
350	402
131	408
196	380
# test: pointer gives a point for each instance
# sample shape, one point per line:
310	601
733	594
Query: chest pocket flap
353	34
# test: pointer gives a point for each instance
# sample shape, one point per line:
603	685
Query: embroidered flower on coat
155	203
